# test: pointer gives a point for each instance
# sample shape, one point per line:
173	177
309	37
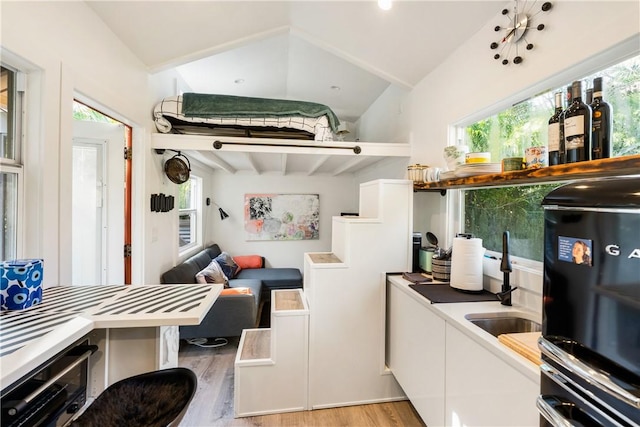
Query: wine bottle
589	98
577	127
602	123
553	140
563	152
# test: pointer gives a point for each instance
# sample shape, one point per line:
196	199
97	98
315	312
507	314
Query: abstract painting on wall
281	216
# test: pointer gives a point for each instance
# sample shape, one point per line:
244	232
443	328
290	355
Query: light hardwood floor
212	404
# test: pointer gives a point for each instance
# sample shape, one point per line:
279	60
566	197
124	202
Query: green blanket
205	105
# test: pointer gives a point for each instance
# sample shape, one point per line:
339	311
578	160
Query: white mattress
172	107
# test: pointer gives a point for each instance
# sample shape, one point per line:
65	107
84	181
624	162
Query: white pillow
212	274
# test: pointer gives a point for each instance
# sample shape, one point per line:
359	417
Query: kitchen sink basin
503	323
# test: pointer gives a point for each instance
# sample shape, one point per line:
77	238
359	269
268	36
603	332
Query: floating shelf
617	166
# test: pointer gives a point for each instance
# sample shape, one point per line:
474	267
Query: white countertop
30	337
454	314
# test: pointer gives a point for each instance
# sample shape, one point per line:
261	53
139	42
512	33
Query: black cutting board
445	293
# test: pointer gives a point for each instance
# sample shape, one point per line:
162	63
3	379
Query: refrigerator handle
588	373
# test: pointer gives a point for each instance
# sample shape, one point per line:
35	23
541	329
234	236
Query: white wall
337	194
386	119
68	49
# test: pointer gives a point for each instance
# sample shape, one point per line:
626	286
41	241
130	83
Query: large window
488	212
189	215
10	160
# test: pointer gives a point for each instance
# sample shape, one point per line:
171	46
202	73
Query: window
189	214
489	212
10	160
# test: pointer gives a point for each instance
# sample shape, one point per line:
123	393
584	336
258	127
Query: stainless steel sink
504	323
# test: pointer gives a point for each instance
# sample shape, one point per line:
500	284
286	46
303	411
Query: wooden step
323	258
288	300
257	344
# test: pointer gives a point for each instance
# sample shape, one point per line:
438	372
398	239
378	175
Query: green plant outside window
489	212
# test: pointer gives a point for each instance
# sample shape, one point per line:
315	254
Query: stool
153	399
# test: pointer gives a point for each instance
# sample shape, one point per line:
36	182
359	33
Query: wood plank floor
212	404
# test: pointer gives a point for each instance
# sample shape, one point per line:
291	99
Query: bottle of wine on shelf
589	98
563	151
602	123
553	140
577	127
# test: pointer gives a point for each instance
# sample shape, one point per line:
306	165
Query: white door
98	203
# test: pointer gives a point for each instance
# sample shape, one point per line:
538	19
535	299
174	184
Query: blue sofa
230	314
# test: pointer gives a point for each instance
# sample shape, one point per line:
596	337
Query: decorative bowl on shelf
478	157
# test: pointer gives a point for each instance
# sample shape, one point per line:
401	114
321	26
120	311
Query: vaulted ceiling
340	53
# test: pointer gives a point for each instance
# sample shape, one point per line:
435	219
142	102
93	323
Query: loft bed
226	115
236	135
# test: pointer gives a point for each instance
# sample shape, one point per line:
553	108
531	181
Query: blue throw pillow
228	265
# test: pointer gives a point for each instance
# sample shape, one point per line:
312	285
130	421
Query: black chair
153	399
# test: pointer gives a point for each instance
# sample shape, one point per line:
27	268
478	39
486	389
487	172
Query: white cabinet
483	390
454	373
416	354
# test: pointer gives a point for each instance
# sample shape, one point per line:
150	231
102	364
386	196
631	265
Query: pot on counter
425	258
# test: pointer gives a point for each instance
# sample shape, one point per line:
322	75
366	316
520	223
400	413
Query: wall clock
515	35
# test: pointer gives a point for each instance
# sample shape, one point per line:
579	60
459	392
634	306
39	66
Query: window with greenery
85	113
10	160
488	212
189	208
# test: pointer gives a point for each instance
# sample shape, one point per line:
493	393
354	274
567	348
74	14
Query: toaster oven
52	393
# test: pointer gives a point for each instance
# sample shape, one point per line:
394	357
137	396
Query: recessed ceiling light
238	81
384	4
336	88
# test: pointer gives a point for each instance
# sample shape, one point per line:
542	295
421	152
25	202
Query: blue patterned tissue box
21	283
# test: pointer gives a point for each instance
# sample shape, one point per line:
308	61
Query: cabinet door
416	354
483	390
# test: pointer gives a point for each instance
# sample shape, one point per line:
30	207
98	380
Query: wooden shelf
618	166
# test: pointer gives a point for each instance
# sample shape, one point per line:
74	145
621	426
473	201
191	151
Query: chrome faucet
505	266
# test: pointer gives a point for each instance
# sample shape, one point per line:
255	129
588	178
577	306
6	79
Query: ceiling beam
252	162
224	47
350	58
321	161
348	165
283	164
213	161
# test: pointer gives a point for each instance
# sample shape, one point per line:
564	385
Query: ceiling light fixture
336	88
238	81
385	4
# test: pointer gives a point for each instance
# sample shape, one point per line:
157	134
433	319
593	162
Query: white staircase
328	348
271	370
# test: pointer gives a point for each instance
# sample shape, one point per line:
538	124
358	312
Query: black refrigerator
590	341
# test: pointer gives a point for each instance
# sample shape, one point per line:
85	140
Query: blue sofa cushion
274	278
